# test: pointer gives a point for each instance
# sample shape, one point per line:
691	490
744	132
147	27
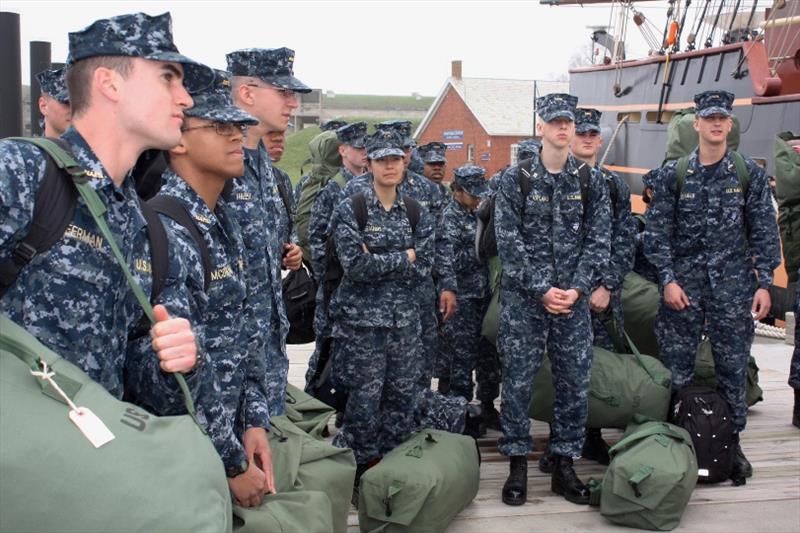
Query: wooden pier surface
769	502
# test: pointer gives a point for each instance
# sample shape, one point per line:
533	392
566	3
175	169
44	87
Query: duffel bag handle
661	428
658	380
417	449
67	162
636	479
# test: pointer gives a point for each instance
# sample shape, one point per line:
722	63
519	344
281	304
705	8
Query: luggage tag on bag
88	423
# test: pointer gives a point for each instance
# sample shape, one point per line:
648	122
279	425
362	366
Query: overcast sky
356	47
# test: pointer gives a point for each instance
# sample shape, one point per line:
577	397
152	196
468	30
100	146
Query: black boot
473	422
491	416
566	483
742	469
547	462
595	448
515	490
796	413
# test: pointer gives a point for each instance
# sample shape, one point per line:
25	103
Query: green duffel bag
682	138
639	307
290	512
306	412
621	386
492	317
303	463
421	485
704	373
651	477
157	474
787	191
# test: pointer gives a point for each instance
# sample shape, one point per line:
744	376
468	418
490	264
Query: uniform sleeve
319	227
445	250
21	171
255	406
510	244
424	246
659	225
358	264
622	243
596	248
764	239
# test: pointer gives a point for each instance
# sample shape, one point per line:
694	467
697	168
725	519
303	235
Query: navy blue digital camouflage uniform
74	297
461	334
376	319
623	231
256	204
52	83
545	240
712	238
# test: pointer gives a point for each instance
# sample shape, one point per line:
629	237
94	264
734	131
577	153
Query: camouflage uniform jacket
287	212
319	227
713	228
545	240
456	241
623	235
74	297
377	288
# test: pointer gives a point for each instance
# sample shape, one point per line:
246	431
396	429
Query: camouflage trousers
437	411
277	367
611	317
794	368
460	337
429	335
729	327
526	330
487	372
379	367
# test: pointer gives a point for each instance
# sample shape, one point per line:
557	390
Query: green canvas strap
96	207
738	161
664	381
661	428
595	492
339	179
640	475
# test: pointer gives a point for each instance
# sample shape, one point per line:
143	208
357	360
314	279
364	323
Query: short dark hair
79	76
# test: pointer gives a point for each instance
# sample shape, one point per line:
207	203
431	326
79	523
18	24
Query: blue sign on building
453	135
454	146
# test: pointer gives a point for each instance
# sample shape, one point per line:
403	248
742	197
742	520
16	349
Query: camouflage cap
52	82
403	127
587	119
471	179
433	152
353	134
527	148
216	103
136	35
556	105
333	124
272	65
710	103
384	143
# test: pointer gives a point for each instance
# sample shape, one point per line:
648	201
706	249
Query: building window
514	154
470	153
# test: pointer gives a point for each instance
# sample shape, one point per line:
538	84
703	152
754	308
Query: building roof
503	107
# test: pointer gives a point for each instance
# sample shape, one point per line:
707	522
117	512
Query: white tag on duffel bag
91	426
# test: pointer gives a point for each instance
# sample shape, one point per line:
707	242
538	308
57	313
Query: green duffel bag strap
637	477
419	448
659	428
664	381
595	491
96	207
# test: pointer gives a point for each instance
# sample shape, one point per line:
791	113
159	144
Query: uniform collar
84	155
372	198
202	216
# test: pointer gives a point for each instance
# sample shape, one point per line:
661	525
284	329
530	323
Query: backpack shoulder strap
680	173
53	210
413	210
524	177
287	203
340	181
360	209
170	207
584	175
741	171
159	249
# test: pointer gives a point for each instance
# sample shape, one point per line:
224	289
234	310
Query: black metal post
11	80
40	60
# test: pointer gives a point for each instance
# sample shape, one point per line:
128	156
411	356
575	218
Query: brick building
482	119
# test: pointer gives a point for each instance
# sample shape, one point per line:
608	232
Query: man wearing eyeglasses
263	84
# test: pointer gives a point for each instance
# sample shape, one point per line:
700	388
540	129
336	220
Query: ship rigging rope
613	138
782	52
785	45
765	330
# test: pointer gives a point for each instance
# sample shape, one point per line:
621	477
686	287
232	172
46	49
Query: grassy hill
296	150
371	102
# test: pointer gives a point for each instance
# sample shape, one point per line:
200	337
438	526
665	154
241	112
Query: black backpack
485	238
706	416
321	385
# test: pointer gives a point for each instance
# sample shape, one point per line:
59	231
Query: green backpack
421	485
306	412
787	189
286	512
326	162
704	373
303	463
621	386
682	139
651	477
159	473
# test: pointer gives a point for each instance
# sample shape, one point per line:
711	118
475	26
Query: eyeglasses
287	94
226	129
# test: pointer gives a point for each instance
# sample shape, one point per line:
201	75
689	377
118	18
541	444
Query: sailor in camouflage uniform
353	154
375	316
456	233
74	297
549	249
54	101
233	398
714	241
263	84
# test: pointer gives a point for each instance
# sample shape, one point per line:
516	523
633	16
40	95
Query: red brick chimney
455	69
